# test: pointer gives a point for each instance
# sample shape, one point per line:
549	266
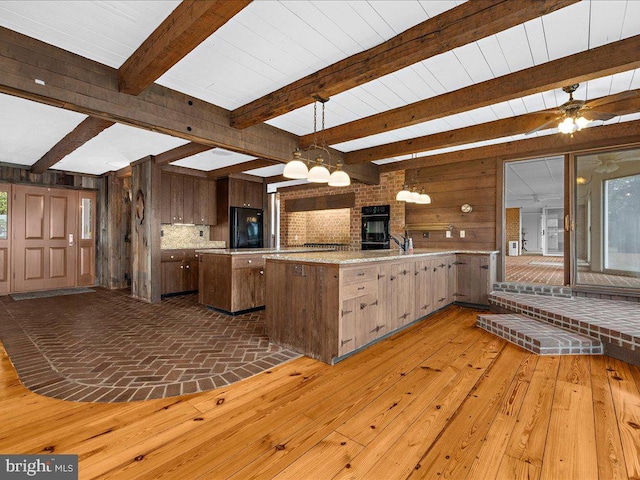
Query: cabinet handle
426	268
171	256
345	312
360	288
361	274
392	278
363	306
486	267
261	272
249	261
381	276
416	273
196	255
187	267
181	266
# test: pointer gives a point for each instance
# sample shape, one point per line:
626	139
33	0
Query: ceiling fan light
339	178
582	122
404	195
295	169
567	125
319	174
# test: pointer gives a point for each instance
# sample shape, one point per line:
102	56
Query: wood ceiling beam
184	29
619	134
124	172
485	131
85	131
458	26
183	151
598	62
239	168
276	179
75	83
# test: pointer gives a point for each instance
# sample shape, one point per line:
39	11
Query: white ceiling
271	43
535	184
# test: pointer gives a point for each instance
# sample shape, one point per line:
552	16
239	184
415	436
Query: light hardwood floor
441	399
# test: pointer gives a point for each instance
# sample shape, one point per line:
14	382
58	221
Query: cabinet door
172	277
204	205
236	192
188	199
253	194
423	288
404	294
386	293
259	286
441	282
473	279
165	198
452	277
348	326
366	323
191	275
177	192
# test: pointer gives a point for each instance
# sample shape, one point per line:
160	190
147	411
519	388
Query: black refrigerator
245	228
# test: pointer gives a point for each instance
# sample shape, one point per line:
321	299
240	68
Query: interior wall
382	194
531	222
319	226
512	227
451	186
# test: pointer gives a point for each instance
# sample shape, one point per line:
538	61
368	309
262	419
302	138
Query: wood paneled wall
114	245
450	186
145	232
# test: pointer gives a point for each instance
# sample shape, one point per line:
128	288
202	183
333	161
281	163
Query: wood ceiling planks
85	131
453	28
185	28
608	59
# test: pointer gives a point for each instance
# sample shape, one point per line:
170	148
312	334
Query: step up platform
615	323
539	337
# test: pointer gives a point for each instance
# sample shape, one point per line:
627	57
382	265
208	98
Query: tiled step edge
533	289
539	337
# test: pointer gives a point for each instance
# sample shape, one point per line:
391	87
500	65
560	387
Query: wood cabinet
234	192
188	200
476	276
232	283
327	311
178	271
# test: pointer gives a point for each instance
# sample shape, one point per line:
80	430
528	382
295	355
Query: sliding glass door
607	219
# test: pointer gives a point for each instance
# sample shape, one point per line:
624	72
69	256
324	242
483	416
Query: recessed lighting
39	82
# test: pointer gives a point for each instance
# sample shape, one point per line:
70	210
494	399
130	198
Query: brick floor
107	347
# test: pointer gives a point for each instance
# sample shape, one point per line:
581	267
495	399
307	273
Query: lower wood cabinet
327	311
232	283
178	271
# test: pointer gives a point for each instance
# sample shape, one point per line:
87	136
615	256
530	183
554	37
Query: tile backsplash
187	236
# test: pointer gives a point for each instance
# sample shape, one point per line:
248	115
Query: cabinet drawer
172	256
359	275
354	290
248	261
191	256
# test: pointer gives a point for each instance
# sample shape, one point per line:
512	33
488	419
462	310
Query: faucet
404	246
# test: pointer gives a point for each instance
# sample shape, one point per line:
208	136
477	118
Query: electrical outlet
462	233
202	233
425	234
447	234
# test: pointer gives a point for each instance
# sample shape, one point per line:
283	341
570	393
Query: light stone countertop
257	251
350	257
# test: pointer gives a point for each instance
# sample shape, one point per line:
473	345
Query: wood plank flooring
442	399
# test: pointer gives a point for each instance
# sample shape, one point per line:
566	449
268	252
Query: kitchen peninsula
327	305
233	280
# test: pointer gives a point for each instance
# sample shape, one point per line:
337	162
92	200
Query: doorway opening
534	221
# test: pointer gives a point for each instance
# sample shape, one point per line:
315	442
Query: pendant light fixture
413	195
319	173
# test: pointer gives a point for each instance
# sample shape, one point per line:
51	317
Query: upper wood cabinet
244	193
185	199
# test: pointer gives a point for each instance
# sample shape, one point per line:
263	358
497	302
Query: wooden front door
45	238
5	237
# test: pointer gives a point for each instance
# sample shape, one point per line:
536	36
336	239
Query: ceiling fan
571	114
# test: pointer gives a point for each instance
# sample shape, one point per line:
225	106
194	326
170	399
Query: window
86	231
4	215
622	224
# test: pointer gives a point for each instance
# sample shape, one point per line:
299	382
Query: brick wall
512	227
382	194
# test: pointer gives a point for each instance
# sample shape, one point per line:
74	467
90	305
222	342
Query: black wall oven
375	227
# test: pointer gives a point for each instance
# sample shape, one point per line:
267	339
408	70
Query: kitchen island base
329	309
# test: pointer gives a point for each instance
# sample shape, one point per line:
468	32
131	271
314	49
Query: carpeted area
108	347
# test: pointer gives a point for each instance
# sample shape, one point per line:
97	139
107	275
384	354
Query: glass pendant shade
339	178
582	122
318	174
295	169
415	196
424	199
404	195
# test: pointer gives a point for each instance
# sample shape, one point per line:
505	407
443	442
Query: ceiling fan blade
610	99
604	116
545	125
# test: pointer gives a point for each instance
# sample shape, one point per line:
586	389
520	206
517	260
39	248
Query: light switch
447	234
461	233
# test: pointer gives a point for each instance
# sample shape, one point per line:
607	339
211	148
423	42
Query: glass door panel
607	219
